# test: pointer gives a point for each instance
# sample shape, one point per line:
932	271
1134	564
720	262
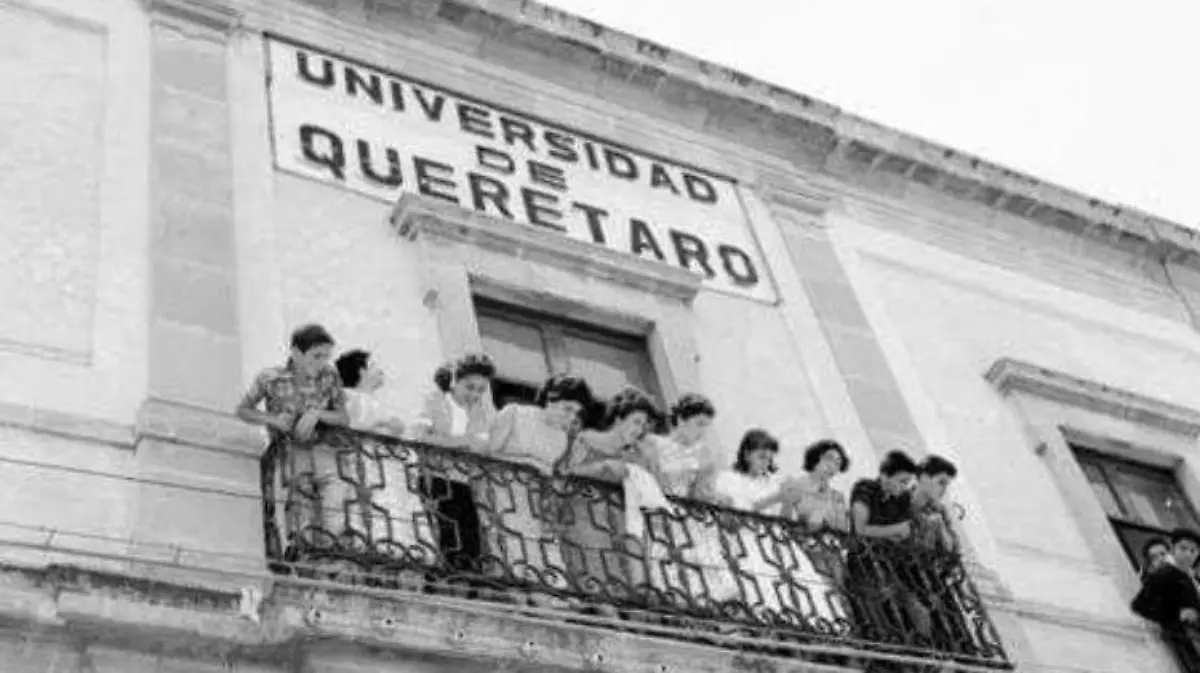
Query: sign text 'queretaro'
382	135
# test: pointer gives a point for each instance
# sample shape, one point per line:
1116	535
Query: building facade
190	179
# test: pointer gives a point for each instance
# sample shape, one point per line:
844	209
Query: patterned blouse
287	390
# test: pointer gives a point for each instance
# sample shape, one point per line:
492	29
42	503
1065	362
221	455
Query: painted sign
382	134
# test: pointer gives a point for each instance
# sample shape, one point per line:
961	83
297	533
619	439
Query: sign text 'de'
382	135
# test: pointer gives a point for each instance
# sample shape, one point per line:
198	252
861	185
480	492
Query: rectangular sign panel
382	134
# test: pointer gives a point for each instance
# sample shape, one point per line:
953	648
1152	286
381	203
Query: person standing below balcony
457	415
519	499
298	400
616	455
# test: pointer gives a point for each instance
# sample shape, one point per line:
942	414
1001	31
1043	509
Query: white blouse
746	490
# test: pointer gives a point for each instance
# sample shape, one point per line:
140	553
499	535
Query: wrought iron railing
371	509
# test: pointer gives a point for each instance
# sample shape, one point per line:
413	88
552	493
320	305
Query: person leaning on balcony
682	455
880	516
810	499
929	578
362	378
754	482
616	454
521	514
1169	595
457	414
460	412
296	399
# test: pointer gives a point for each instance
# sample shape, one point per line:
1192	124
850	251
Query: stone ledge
195	426
416	217
1009	375
165	619
68	425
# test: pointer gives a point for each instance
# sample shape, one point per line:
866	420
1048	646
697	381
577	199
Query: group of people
1170	592
656	458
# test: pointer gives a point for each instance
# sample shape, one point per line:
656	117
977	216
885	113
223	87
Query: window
529	346
1141	501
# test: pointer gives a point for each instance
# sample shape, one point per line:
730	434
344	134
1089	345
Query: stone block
193	365
193	230
196	122
880	406
857	353
196	295
189	63
194	175
836	303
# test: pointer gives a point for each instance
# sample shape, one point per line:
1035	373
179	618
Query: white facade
159	251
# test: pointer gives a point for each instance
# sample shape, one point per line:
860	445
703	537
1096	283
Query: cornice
68	425
222	16
1014	376
422	218
827	134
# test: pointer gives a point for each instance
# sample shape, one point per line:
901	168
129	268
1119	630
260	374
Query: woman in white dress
683	553
752	485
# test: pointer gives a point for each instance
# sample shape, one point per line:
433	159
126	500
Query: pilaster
196	465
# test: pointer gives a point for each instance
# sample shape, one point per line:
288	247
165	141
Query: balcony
391	515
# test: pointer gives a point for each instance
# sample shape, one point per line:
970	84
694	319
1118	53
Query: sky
1101	96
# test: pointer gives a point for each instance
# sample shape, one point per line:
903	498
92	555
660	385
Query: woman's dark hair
690	406
351	365
474	364
562	387
816	451
754	440
627	402
896	462
308	337
443	377
932	466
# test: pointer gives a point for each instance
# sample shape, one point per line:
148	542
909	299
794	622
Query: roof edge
1013	190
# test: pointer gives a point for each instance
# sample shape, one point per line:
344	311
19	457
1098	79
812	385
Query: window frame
556	329
1127	526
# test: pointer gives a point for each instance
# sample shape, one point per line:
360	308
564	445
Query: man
881	518
882	508
293	401
302	393
1169	595
933	527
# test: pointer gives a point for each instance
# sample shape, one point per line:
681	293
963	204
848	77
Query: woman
519	502
682	455
460	412
456	415
753	484
610	455
680	549
810	500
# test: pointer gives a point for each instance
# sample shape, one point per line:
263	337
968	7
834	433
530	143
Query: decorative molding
68	425
422	218
781	193
1009	375
298	621
222	16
